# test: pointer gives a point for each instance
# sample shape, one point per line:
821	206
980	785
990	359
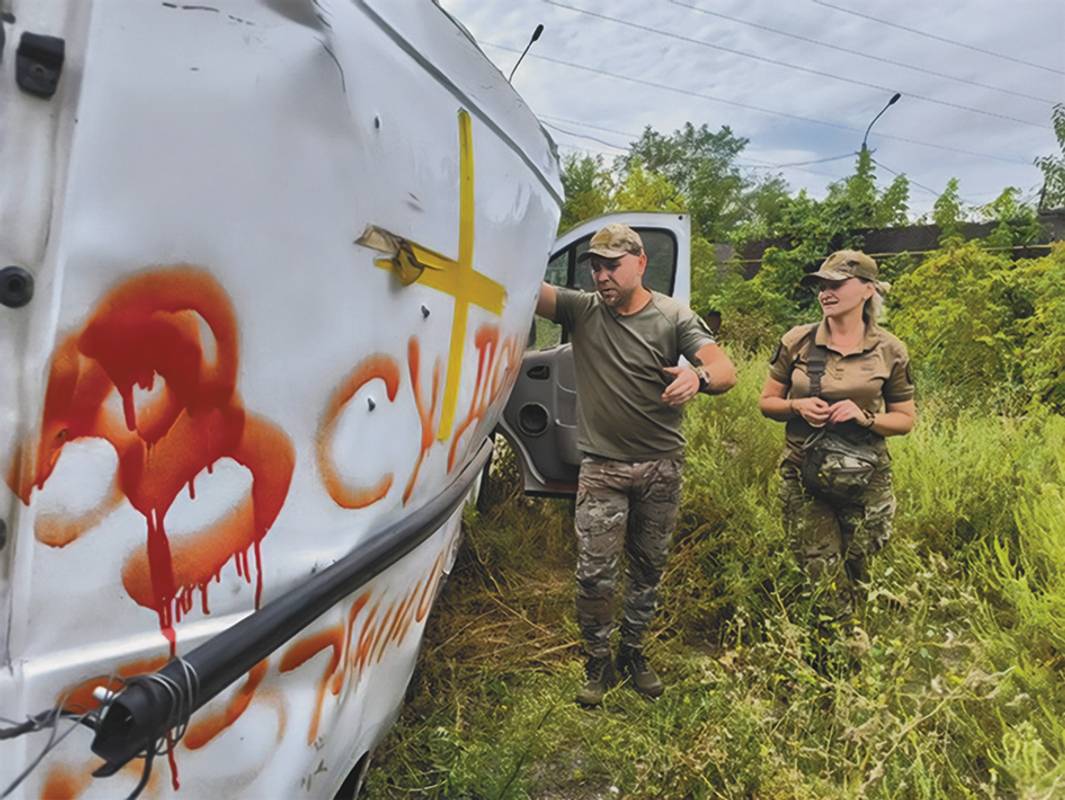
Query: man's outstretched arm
545	304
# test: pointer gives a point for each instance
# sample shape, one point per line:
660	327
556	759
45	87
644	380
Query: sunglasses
598	262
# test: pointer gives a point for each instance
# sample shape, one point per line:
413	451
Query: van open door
540	420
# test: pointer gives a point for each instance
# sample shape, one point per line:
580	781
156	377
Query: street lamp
894	99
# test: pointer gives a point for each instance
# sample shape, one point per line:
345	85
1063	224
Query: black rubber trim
142	713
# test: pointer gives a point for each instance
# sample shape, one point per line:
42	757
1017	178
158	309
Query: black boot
601	676
633	665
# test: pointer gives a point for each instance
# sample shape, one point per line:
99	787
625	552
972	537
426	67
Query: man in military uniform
627	341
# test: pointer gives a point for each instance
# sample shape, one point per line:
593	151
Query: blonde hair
873	309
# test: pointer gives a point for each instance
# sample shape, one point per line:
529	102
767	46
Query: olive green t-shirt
619	361
877	374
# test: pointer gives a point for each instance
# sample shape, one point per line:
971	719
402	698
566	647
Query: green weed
960	693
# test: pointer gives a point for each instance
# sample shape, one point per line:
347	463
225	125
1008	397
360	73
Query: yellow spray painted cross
456	277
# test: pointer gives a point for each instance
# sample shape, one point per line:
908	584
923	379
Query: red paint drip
258	571
174	781
426	414
149	327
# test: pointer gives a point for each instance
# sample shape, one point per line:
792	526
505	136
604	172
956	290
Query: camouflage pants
622	506
833	543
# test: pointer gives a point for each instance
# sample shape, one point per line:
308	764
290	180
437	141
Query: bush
960	312
1043	360
960	694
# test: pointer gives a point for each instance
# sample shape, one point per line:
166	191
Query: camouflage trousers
832	542
630	506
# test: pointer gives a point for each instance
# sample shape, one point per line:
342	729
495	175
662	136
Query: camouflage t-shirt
619	361
879	373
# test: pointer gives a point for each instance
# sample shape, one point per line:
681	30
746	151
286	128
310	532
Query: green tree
948	214
854	198
1044	351
764	204
893	205
1053	167
642	190
1018	223
962	313
701	164
588	185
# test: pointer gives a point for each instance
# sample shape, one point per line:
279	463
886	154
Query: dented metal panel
217	390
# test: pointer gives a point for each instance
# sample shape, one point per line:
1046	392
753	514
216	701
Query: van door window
548	333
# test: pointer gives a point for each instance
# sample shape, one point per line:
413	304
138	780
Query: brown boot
600	672
632	664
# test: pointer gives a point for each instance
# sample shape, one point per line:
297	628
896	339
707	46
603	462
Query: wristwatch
704	379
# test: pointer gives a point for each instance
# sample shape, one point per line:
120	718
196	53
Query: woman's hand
844	410
812	409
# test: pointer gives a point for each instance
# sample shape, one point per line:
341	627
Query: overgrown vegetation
961	692
959	695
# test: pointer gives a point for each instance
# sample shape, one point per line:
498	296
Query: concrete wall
912	238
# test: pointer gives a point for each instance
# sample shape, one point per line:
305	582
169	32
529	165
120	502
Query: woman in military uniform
841	386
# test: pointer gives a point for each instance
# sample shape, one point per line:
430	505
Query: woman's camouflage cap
841	265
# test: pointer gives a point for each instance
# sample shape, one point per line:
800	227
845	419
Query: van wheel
501	481
352	784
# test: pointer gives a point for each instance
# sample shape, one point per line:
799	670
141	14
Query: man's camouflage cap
613	241
841	265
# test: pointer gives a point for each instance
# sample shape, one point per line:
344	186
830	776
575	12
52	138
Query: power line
911	180
812	161
589	125
860	54
762	163
584	136
939	38
798	67
968	198
760	109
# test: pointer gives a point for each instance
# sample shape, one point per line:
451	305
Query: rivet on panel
16	287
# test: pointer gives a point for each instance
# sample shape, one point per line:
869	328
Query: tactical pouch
837	468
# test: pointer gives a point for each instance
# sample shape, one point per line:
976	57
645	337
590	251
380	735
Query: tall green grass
960	694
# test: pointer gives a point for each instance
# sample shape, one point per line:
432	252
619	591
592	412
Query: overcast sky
998	149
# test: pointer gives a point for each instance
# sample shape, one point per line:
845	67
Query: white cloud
1032	30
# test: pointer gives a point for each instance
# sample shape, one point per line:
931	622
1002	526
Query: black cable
46	720
762	165
584	136
183	700
765	59
146	773
860	54
812	161
761	109
928	189
938	38
743	165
